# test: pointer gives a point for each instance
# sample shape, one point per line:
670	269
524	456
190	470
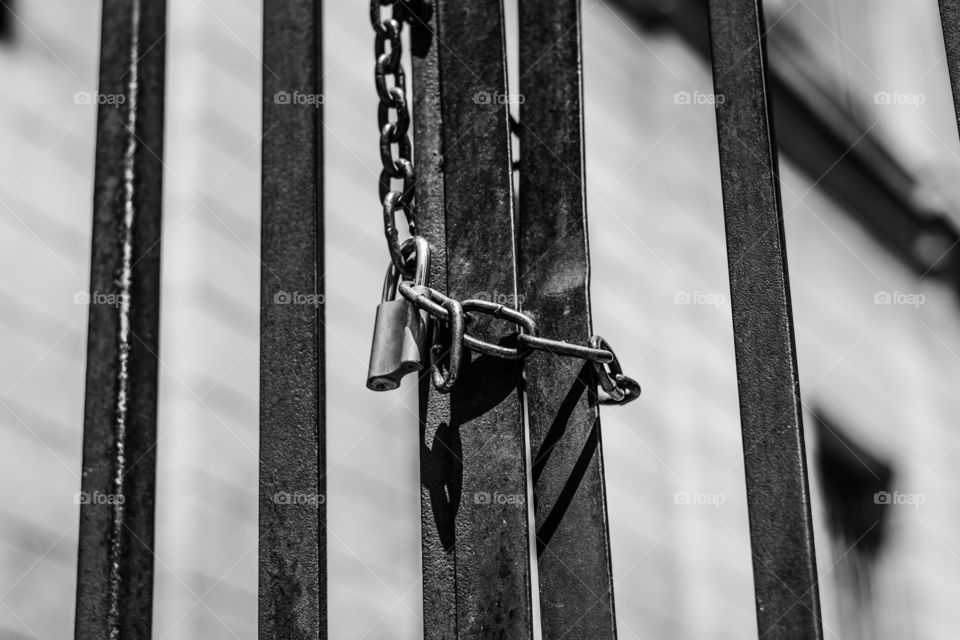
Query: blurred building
878	339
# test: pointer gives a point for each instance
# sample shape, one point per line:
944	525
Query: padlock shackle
421	249
417	248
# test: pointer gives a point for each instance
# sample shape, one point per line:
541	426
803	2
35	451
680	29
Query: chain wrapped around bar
393	133
617	387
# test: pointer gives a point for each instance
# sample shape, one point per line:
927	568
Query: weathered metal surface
440	460
950	23
293	603
475	547
573	547
781	532
115	562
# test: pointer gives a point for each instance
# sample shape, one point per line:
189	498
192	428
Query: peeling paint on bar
115	559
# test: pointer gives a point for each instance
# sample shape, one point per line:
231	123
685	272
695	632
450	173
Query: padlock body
397	347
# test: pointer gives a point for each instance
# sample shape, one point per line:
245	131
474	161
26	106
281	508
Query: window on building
853	483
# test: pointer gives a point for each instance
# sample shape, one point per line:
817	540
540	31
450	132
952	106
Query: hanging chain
394	134
450	316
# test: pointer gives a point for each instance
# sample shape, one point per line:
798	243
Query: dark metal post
293	585
573	546
475	544
781	532
440	456
115	562
950	23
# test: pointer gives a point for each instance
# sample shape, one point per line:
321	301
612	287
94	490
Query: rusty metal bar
115	559
781	532
293	582
440	459
573	544
474	518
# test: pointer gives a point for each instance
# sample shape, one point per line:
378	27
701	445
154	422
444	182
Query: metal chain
394	134
618	388
449	331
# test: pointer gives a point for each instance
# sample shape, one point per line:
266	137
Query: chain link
393	120
446	360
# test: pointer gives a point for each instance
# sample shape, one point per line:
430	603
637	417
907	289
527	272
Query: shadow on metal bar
475	551
572	541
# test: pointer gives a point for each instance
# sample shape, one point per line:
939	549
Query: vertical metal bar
573	545
293	583
781	532
950	23
7	18
115	560
476	545
440	458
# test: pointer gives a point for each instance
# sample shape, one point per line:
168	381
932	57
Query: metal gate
476	561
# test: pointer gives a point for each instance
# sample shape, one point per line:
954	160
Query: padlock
399	331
